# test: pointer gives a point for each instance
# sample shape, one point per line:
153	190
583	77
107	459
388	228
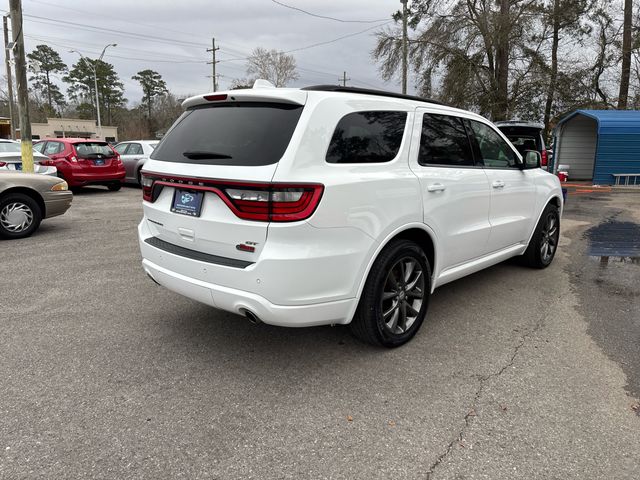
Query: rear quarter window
367	137
242	134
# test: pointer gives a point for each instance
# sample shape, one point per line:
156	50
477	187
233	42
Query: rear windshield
242	134
93	149
10	147
525	142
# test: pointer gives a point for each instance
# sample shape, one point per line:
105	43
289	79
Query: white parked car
11	159
333	205
133	155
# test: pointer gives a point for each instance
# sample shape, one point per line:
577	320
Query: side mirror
532	159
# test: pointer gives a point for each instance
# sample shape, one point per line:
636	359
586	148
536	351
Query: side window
367	137
444	142
39	147
135	149
494	150
52	148
121	148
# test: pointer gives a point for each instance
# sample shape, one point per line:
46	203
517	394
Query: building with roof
72	127
602	146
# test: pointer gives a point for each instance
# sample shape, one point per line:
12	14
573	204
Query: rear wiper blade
201	154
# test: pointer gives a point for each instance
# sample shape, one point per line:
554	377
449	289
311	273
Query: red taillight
147	186
543	160
215	98
118	159
71	158
263	202
3	164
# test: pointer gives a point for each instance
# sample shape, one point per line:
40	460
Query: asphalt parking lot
516	373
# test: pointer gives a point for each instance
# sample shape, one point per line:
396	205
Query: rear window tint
91	149
10	147
444	141
242	134
367	137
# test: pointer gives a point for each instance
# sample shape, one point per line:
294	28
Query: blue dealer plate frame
187	202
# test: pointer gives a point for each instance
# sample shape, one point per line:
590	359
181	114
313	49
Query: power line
136	23
319	44
91	28
338	39
150	60
326	17
52	40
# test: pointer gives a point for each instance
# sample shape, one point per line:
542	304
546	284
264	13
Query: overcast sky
171	37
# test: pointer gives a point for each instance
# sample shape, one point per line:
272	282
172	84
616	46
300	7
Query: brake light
543	158
71	158
215	98
3	164
118	159
263	202
147	185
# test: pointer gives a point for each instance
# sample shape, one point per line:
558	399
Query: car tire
114	187
20	216
544	242
389	312
139	177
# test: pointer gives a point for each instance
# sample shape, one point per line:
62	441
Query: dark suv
526	136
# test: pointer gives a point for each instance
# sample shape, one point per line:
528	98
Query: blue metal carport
596	144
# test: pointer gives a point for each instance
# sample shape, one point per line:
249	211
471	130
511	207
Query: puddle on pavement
614	251
614	244
605	261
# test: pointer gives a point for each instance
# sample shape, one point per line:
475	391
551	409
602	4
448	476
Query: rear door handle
498	184
436	187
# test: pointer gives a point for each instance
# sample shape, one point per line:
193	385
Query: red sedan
82	161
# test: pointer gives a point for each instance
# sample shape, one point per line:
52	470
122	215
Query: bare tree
626	55
277	67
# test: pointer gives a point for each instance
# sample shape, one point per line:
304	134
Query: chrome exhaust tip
153	279
252	317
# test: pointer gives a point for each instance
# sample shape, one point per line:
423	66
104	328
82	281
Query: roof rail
368	91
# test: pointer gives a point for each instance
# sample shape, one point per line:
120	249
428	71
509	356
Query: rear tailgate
216	152
95	156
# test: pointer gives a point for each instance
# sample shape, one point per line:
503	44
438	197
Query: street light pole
7	61
95	81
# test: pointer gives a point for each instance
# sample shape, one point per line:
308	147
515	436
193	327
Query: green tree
152	86
45	62
110	88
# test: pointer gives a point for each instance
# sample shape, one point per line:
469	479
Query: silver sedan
133	154
11	159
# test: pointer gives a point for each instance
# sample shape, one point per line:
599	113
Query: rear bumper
239	302
80	179
290	284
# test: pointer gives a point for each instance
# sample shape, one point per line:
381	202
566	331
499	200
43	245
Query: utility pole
344	79
213	62
404	46
15	10
7	61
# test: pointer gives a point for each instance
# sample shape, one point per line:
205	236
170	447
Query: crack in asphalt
482	379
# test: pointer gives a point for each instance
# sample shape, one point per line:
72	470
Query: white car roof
262	92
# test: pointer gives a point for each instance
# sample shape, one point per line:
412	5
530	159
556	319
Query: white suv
333	205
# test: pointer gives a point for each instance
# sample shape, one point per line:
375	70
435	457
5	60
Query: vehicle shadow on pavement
211	331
